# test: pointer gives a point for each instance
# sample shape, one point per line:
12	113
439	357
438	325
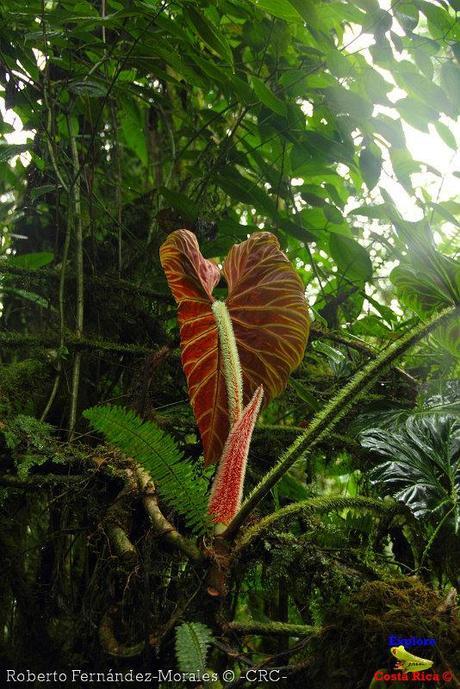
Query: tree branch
160	524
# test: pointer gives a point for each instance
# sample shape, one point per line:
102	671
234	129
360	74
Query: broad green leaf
425	90
428	283
306	9
407	15
370	163
390	129
88	87
445	213
440	22
404	166
268	98
40	191
133	128
446	135
450	81
305	394
8	151
351	258
181	203
245	190
379	211
32	261
344	101
279	8
210	35
25	294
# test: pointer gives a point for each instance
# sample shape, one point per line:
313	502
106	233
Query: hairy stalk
78	225
231	359
324	422
316	506
282	628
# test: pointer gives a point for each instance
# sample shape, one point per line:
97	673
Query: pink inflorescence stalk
227	489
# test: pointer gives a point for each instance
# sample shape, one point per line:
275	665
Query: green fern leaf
158	453
192	643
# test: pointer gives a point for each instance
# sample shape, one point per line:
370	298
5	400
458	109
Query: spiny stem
317	506
231	359
323	423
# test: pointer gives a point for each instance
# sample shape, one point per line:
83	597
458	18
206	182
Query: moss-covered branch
35	481
160	524
27	276
271	628
340	405
17	339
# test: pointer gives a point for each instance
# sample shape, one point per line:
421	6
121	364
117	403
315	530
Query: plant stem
78	225
316	506
61	300
232	367
324	422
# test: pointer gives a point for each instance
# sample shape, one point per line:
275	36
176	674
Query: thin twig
78	226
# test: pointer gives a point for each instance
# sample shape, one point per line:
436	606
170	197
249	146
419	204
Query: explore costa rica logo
407	666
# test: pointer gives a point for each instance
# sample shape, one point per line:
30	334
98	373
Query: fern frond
192	643
158	453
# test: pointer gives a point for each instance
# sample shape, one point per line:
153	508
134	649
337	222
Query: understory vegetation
278	137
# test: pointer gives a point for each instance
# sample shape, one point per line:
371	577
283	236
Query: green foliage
228	116
29	441
192	643
174	477
21	386
422	467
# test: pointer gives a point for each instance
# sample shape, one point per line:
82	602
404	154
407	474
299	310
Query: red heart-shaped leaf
192	279
269	313
268	309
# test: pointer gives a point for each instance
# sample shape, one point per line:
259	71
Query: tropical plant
257	155
234	349
421	467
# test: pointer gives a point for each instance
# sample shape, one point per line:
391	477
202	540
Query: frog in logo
408	662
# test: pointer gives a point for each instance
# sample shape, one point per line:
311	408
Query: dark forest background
124	121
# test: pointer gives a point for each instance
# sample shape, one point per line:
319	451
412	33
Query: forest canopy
147	150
